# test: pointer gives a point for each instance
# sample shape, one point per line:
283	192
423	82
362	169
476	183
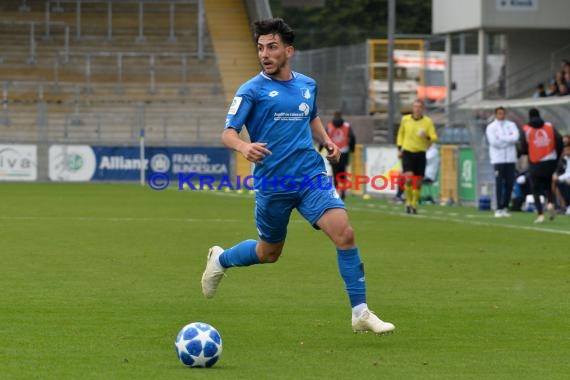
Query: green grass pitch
97	279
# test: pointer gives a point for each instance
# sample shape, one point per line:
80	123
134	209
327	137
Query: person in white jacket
503	135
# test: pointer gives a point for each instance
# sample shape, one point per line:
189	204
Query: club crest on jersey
306	93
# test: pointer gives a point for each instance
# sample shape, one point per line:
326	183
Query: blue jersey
278	113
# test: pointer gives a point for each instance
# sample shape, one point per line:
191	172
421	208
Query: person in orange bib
543	145
341	134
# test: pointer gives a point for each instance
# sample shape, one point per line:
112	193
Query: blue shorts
273	209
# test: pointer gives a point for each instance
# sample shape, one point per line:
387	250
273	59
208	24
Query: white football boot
214	272
368	321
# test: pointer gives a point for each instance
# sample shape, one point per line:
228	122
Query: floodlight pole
391	98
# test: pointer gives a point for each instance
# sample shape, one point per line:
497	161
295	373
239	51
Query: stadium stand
96	71
235	50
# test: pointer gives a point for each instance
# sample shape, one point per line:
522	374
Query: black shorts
414	162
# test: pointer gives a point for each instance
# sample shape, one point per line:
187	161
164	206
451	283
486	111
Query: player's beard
278	66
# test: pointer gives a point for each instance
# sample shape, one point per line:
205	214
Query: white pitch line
386	209
120	219
463	221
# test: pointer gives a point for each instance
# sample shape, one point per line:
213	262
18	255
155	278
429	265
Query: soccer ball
198	345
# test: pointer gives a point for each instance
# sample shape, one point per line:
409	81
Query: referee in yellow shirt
415	135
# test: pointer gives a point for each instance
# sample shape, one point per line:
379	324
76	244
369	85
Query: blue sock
352	272
240	255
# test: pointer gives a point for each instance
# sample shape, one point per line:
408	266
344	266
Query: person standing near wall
503	135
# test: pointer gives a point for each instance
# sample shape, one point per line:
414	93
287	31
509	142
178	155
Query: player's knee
345	238
270	256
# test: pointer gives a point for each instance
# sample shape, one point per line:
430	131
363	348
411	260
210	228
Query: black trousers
541	182
340	167
504	181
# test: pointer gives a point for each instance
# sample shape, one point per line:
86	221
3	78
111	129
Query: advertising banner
103	163
382	161
18	162
467	175
74	163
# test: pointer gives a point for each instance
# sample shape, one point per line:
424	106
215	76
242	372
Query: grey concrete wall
527	46
450	16
542	14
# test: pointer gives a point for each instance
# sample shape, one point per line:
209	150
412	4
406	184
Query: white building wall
455	15
466	74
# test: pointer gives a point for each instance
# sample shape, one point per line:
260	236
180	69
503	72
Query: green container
467	175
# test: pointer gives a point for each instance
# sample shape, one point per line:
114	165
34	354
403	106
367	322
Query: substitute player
415	135
279	108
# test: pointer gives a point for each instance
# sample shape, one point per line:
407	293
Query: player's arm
351	140
253	152
237	115
321	136
523	144
493	137
431	133
513	135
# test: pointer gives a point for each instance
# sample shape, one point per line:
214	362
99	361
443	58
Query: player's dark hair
533	112
500	109
274	26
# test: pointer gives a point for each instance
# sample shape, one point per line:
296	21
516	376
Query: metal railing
56	6
44	123
120	57
176	66
33	44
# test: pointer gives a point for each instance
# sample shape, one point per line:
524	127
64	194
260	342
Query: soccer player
415	135
279	108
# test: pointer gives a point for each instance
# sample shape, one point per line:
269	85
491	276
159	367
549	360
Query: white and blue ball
198	345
